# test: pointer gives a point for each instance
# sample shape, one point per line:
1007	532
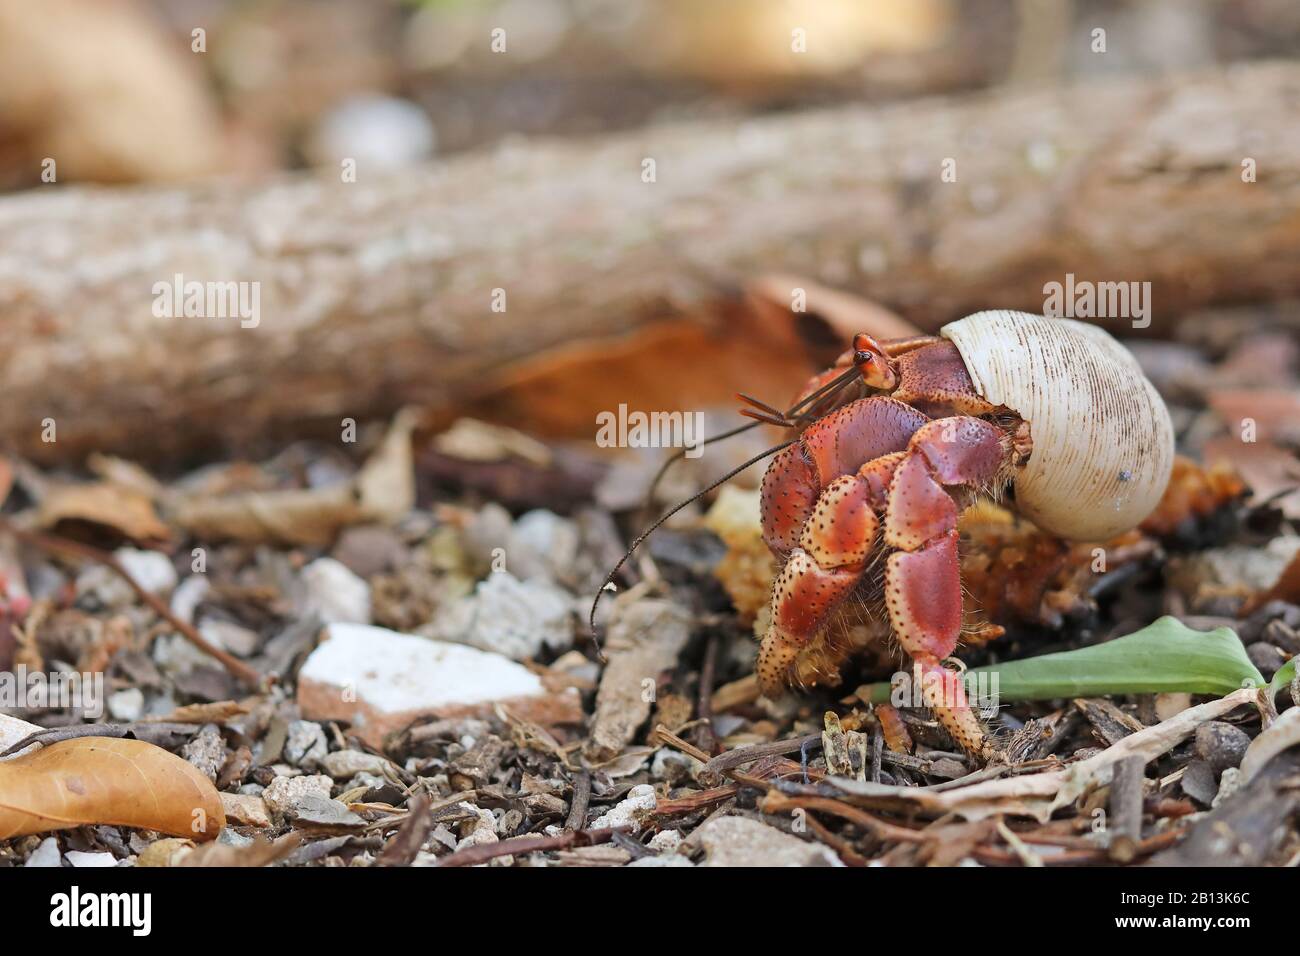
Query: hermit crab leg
820	508
922	578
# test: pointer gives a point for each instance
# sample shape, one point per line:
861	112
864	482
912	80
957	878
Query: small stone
306	744
248	811
152	571
381	681
165	853
665	841
126	705
283	794
518	619
229	837
188	595
1198	782
673	766
542	544
367	550
1266	657
739	841
322	812
333	593
482	830
345	764
1255	627
378	132
232	637
1221	745
79	858
632	811
45	855
206	751
1229	784
666	859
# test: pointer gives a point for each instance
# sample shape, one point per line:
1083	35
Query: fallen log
371	294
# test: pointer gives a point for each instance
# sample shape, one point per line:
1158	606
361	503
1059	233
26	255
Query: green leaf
1166	656
1282	679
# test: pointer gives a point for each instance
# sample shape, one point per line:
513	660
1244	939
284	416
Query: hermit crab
893	442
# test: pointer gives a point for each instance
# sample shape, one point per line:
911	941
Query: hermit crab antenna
830	388
609	578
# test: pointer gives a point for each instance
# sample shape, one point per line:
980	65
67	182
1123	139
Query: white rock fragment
230	636
507	616
151	570
283	794
188	595
45	855
379	132
79	858
126	705
484	828
632	811
333	593
345	764
673	765
665	841
305	743
13	730
380	681
668	859
739	841
546	542
244	810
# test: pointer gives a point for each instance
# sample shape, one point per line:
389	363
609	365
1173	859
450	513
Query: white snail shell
1103	444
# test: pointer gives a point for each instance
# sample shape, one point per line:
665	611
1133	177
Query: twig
581	798
1125	823
994	856
780	803
719	765
708	740
474	855
76	549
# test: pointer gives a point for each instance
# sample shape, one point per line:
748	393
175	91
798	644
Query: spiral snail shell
1103	442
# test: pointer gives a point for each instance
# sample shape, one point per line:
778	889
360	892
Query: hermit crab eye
862	357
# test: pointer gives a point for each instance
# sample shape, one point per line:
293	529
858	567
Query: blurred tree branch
381	292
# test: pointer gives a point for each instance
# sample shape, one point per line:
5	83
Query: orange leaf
106	780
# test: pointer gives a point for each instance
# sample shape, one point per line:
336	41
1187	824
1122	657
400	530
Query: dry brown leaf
106	780
6	478
843	313
215	712
104	510
261	852
383	490
1285	588
748	340
1271	473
